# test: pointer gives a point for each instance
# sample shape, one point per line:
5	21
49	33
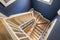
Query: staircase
20	34
23	27
39	27
38	30
15	32
4	35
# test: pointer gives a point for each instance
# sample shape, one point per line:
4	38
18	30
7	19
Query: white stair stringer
20	19
48	30
16	33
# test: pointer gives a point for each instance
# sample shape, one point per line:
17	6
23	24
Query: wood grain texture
4	35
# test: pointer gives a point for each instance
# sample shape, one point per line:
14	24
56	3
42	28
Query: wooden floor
4	35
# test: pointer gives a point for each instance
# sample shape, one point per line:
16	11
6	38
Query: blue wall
55	33
48	11
20	6
17	7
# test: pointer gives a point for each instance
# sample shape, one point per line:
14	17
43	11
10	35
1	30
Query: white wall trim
8	3
49	3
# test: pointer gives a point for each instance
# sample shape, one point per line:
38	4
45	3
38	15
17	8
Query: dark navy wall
48	11
17	7
55	33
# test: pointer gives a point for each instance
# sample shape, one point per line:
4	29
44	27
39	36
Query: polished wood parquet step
16	30
20	34
20	18
41	24
23	18
25	39
1	16
27	30
4	34
36	34
15	33
39	29
13	21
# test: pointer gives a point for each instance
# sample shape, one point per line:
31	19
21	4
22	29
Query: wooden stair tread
39	29
4	35
28	28
22	18
13	21
25	39
16	30
21	35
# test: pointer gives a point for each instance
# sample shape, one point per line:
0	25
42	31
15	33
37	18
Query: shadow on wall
55	33
48	11
17	7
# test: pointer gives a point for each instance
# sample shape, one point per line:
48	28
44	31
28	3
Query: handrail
26	24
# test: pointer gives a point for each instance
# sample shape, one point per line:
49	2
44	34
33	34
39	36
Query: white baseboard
2	15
